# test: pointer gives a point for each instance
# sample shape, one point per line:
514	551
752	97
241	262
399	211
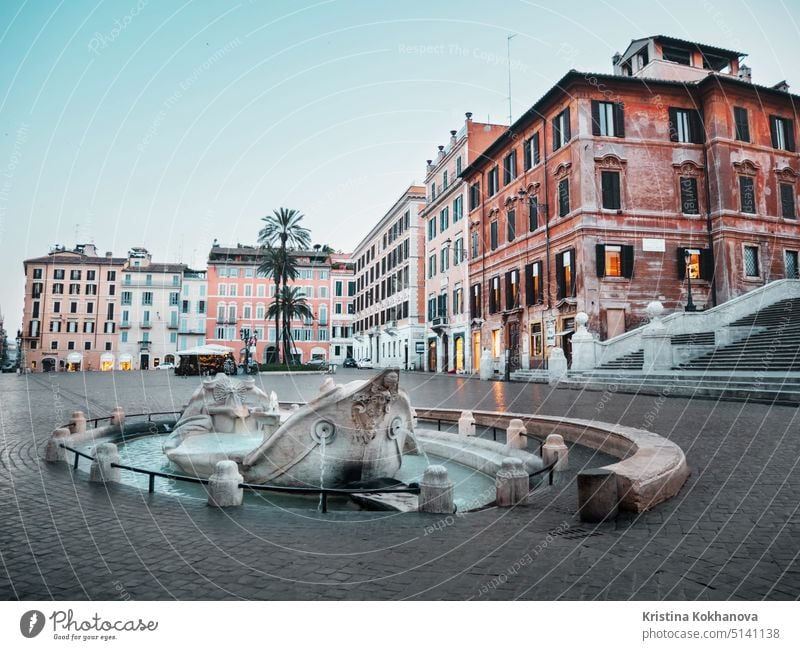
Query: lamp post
249	339
687	256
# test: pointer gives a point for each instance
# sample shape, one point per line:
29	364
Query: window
123	337
431	266
701	263
533	213
685	125
444	219
260	290
247	312
54	345
444	258
510	167
474	196
689	202
431	228
493	184
511	225
751	266
126	298
561	129
73	308
782	132
174	297
614	261
58	274
74	275
147	297
111	276
431	308
91	289
444	180
741	124
72	326
494	295
458	166
433	191
608	119
476	249
536	339
676	54
89	307
55	325
88	327
610	190
534	288
37	274
563	197
565	274
148	279
530	152
512	289
112	290
56	307
458	209
787	201
248	290
747	195
185	306
231	289
493	234
70	345
173	337
475	301
58	287
458	251
792	270
75	289
458	300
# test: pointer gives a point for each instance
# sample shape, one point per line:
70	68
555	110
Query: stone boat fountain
351	433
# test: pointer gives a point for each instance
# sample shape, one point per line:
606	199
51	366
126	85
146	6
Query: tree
278	265
291	302
283	230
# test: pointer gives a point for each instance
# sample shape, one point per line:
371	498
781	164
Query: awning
74	357
106	356
211	349
565	332
123	358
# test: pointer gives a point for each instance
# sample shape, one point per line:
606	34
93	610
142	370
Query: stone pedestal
118	416
294	407
223	485
77	422
436	491
515	438
466	424
583	352
101	471
657	344
511	483
327	385
554	447
54	452
556	365
598	499
487	365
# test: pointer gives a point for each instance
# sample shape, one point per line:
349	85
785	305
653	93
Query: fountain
349	433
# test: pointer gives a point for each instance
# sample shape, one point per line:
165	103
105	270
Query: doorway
513	345
48	364
432	355
144	362
458	353
476	351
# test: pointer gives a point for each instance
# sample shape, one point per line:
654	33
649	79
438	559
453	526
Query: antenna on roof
508	49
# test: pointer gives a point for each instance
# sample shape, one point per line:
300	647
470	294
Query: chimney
782	86
109	254
453	137
469	116
430	166
441	152
745	73
616	59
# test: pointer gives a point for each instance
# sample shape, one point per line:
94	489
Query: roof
157	267
712	50
228	255
570	77
76	258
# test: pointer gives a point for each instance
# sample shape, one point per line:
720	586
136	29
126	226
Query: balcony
172	325
146	324
440	322
144	346
190	330
124	325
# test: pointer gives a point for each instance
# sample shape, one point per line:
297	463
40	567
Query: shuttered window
685	125
534	289
741	123
563	197
787	201
561	129
511	225
782	132
689	202
747	194
614	261
701	263
533	215
565	274
493	234
608	119
475	301
610	190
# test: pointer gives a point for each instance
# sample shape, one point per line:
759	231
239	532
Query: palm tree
278	265
283	230
291	302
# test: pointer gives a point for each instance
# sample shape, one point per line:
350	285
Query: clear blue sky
167	124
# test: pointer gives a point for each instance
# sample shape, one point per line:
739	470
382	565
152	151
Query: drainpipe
706	178
546	214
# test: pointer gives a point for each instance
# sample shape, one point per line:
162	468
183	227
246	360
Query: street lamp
249	339
459	254
687	256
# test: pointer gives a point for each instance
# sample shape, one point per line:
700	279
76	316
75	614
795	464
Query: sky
167	124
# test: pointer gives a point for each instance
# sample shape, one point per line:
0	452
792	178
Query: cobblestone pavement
731	533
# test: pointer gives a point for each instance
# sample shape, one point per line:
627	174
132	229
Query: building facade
150	302
239	299
448	342
193	309
614	190
342	291
389	328
71	308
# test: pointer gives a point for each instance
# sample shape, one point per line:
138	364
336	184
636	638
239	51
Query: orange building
239	298
71	310
617	189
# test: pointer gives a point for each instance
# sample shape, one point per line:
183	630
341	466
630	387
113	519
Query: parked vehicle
322	364
365	363
349	362
166	366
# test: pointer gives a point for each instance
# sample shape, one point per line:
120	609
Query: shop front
125	362
74	362
106	361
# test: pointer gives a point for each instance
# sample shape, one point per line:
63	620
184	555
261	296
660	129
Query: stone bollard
54	452
556	365
554	446
436	491
515	438
294	407
598	499
511	483
223	485
101	471
466	424
118	416
327	385
77	422
486	371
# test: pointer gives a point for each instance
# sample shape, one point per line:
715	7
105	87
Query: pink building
239	298
69	319
343	291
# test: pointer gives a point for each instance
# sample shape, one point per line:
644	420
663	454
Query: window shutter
540	292
773	131
535	148
529	284
600	253
789	124
681	263
526	155
627	261
567	128
707	264
556	134
619	119
595	117
560	276
698	134
673	124
573	271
